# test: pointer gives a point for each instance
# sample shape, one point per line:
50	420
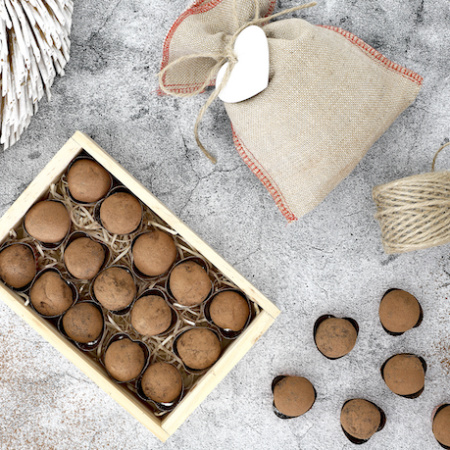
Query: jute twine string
227	55
414	212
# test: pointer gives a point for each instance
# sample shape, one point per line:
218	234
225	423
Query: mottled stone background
331	261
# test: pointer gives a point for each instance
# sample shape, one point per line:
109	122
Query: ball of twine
414	212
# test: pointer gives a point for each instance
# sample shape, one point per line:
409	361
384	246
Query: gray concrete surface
331	261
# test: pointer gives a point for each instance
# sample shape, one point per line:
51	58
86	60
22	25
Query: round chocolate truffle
151	315
189	283
17	265
162	382
335	337
293	396
48	222
84	257
404	374
360	418
88	181
124	359
399	311
114	288
441	426
154	252
199	348
50	294
121	213
83	323
229	310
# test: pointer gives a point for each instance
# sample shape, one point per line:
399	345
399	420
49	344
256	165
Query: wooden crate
165	427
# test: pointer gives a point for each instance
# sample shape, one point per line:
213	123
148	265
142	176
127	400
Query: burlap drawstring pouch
330	96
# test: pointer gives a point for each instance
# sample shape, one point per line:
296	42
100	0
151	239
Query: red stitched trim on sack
256	167
413	76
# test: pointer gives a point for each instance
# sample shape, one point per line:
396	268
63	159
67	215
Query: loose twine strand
414	212
227	55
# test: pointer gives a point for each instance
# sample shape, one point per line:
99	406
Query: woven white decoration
34	48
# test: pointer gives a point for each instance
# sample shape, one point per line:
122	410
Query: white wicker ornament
34	48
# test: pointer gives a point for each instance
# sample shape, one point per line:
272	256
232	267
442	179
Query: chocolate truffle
154	252
360	418
124	359
121	213
84	257
441	426
229	310
335	337
114	288
83	323
399	311
88	181
162	382
189	283
199	348
50	294
17	265
151	315
293	396
48	222
404	374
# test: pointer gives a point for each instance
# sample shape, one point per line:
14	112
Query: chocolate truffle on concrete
360	418
293	396
404	374
441	426
50	294
162	382
151	315
48	222
121	213
83	323
399	311
114	288
229	310
88	181
124	359
335	337
189	283
154	253
84	257
17	265
198	348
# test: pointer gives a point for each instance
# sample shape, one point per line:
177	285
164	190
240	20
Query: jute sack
329	98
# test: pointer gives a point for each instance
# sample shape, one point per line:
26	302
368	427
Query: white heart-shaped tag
250	75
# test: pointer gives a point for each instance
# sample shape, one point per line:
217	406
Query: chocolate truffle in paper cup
198	348
404	375
88	181
399	311
361	419
441	425
83	322
335	337
151	315
121	213
124	359
114	288
84	257
229	310
154	252
17	265
48	221
50	294
293	396
189	283
162	383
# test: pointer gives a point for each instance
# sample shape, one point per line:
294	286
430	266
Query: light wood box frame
164	428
